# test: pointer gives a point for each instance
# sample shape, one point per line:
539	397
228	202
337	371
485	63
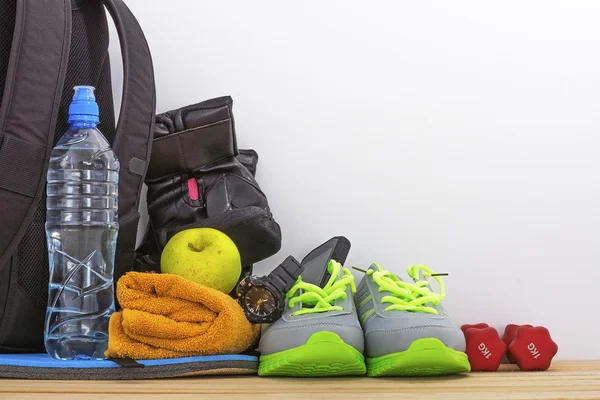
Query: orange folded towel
167	316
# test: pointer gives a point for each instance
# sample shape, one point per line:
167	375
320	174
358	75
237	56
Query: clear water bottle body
81	231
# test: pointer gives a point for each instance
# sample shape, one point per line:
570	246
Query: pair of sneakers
399	327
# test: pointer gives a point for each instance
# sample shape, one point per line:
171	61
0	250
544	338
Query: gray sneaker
318	334
407	331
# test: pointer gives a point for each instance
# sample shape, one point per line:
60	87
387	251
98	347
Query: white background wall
461	135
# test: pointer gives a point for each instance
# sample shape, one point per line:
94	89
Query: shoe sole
324	354
424	357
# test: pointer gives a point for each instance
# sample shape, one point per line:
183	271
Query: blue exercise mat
42	366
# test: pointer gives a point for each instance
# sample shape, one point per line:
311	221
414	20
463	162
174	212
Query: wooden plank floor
565	380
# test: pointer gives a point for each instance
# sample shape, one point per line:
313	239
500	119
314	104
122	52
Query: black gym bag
46	48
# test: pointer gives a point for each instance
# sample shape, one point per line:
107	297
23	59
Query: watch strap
285	275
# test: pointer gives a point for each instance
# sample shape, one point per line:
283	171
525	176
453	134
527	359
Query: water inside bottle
81	229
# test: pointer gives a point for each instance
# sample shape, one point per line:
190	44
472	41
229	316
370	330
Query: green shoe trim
365	301
366	315
324	354
423	357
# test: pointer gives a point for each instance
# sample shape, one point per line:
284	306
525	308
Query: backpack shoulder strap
133	138
132	142
30	103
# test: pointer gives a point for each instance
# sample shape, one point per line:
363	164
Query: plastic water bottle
81	230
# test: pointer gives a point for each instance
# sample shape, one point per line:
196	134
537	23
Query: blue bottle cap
84	106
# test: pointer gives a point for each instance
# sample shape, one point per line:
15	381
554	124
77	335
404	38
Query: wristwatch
263	297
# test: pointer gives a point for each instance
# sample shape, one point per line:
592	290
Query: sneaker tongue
374	267
421	276
330	271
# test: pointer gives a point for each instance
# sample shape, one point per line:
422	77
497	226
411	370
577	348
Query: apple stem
196	249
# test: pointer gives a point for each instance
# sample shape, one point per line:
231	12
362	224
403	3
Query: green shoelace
409	296
316	300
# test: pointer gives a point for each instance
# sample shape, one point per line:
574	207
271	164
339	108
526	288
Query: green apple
205	256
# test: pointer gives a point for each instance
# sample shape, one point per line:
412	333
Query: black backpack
46	48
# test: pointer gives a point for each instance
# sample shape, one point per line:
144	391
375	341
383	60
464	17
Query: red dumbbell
509	335
476	326
532	348
484	347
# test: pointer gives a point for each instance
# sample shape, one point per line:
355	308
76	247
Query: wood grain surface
565	380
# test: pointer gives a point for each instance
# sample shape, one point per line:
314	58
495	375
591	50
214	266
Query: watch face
260	301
